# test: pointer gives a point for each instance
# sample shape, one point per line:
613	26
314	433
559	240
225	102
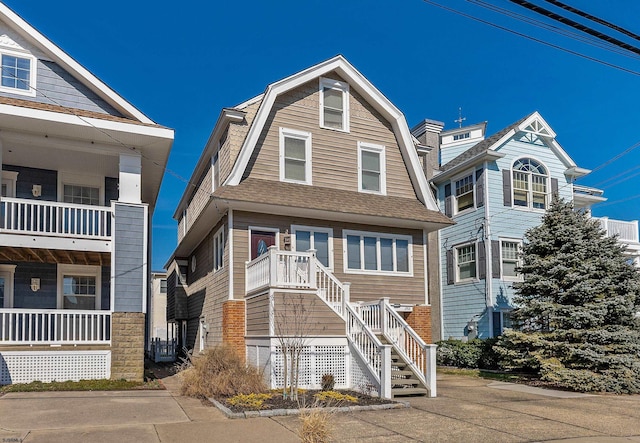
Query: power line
595	19
567	21
537	40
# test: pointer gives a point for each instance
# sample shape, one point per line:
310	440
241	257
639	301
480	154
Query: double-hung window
295	156
371	252
218	250
320	239
530	184
371	168
334	104
17	75
466	268
81	195
79	287
510	258
464	193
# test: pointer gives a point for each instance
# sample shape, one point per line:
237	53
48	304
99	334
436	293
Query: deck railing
334	292
281	269
55	326
25	216
627	231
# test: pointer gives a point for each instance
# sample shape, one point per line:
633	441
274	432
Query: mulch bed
307	399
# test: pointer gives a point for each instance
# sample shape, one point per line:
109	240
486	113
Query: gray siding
27	177
110	190
46	297
129	257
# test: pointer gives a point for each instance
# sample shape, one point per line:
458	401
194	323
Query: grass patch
490	375
82	385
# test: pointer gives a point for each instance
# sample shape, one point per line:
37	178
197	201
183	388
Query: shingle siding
129	257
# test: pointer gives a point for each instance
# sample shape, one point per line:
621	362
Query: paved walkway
467	410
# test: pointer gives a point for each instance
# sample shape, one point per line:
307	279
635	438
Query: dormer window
462	136
295	156
18	75
334	104
371	168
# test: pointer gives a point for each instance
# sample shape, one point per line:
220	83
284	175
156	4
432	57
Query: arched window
530	184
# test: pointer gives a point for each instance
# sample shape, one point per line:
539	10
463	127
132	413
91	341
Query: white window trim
10	178
194	264
458	280
73	178
219	235
378	236
529	207
263	229
31	92
519	277
84	270
202	331
215	171
300	135
379	149
344	88
454	202
9	271
313	229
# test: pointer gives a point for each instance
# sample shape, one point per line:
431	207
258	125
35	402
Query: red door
260	242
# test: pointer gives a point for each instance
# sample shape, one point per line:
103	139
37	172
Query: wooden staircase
403	380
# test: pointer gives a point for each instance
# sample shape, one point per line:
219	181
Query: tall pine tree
577	307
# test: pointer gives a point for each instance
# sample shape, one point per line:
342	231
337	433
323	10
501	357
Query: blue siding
464	302
111	191
27	177
46	297
129	257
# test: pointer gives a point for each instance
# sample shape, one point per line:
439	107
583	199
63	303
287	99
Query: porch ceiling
39	255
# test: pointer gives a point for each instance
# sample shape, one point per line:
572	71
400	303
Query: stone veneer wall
127	346
233	325
420	321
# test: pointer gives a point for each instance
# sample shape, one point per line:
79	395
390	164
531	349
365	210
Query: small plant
335	397
328	382
184	362
249	401
315	426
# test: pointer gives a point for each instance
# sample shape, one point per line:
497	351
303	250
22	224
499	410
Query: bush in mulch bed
306	399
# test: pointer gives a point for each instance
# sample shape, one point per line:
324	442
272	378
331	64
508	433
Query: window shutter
479	188
506	186
495	259
448	206
447	190
482	261
554	187
450	274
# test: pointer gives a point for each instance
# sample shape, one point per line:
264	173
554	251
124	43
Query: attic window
334	104
462	136
17	74
537	128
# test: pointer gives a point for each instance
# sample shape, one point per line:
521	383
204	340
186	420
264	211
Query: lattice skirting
47	366
321	356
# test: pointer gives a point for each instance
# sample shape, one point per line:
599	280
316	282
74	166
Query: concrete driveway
467	410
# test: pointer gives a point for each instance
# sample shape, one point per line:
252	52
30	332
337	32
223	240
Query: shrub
328	382
334	397
221	372
249	401
315	426
458	353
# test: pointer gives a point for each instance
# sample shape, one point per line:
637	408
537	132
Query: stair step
404	382
401	392
396	373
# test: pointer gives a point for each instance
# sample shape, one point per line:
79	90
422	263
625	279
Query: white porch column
130	179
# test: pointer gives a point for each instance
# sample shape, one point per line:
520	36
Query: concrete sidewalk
467	410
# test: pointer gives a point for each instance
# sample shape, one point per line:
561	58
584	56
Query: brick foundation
127	346
233	325
420	321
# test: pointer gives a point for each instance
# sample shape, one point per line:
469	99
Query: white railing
420	356
44	327
331	290
376	355
625	230
281	269
370	313
24	216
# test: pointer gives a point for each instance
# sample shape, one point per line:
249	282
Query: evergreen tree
577	307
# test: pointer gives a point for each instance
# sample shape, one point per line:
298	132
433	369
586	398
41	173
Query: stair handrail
331	290
420	356
370	349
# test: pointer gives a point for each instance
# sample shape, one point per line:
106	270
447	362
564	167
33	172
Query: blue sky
180	63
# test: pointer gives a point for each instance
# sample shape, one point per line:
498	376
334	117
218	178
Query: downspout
487	249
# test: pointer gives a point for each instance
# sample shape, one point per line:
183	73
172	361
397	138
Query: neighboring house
495	189
81	170
313	193
162	343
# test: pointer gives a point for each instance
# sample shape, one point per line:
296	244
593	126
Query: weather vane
460	118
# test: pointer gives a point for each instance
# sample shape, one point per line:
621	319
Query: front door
260	242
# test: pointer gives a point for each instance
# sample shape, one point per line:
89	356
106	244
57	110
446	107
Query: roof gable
46	49
358	83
